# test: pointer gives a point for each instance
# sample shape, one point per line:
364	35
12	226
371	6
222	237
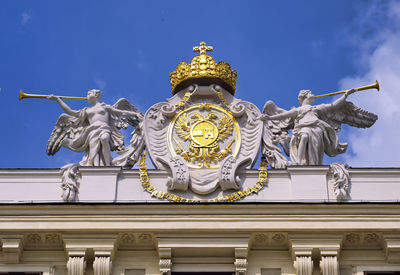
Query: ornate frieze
43	241
128	241
270	240
365	240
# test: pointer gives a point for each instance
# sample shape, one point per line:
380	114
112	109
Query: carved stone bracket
165	262
241	260
76	265
103	246
102	266
303	265
302	247
329	265
340	180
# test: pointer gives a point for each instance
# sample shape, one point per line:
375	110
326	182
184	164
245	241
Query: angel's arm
117	111
281	116
64	106
337	103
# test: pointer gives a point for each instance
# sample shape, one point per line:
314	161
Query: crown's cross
203	49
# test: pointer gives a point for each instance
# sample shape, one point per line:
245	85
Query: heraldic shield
203	136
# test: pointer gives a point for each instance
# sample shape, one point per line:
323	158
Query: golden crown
203	70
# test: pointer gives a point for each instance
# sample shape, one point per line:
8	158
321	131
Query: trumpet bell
368	87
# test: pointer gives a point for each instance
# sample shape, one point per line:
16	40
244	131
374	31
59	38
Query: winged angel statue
95	130
314	129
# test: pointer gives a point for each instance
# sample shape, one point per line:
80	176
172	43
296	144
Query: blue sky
128	48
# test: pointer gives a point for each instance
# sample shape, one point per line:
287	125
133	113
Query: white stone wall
112	184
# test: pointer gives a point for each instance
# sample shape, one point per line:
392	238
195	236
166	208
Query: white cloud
25	17
380	59
100	84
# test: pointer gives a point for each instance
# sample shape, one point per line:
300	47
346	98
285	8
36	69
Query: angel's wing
66	127
125	120
225	127
349	114
276	132
279	129
183	127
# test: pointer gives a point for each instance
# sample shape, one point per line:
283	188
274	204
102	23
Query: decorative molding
329	265
76	266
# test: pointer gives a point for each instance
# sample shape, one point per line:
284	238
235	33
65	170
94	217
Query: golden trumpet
368	87
23	95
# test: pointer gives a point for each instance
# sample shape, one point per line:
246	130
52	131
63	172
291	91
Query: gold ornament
203	66
145	180
204	132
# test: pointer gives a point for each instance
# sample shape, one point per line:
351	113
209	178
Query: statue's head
93	96
306	96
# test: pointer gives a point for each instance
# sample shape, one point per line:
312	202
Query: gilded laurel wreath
204	134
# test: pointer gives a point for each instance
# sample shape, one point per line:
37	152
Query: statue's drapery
321	138
89	139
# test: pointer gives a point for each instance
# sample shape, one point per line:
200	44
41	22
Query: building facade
207	207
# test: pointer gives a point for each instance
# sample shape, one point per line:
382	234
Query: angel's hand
53	97
349	92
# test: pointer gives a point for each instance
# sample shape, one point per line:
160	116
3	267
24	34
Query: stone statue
314	129
95	130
